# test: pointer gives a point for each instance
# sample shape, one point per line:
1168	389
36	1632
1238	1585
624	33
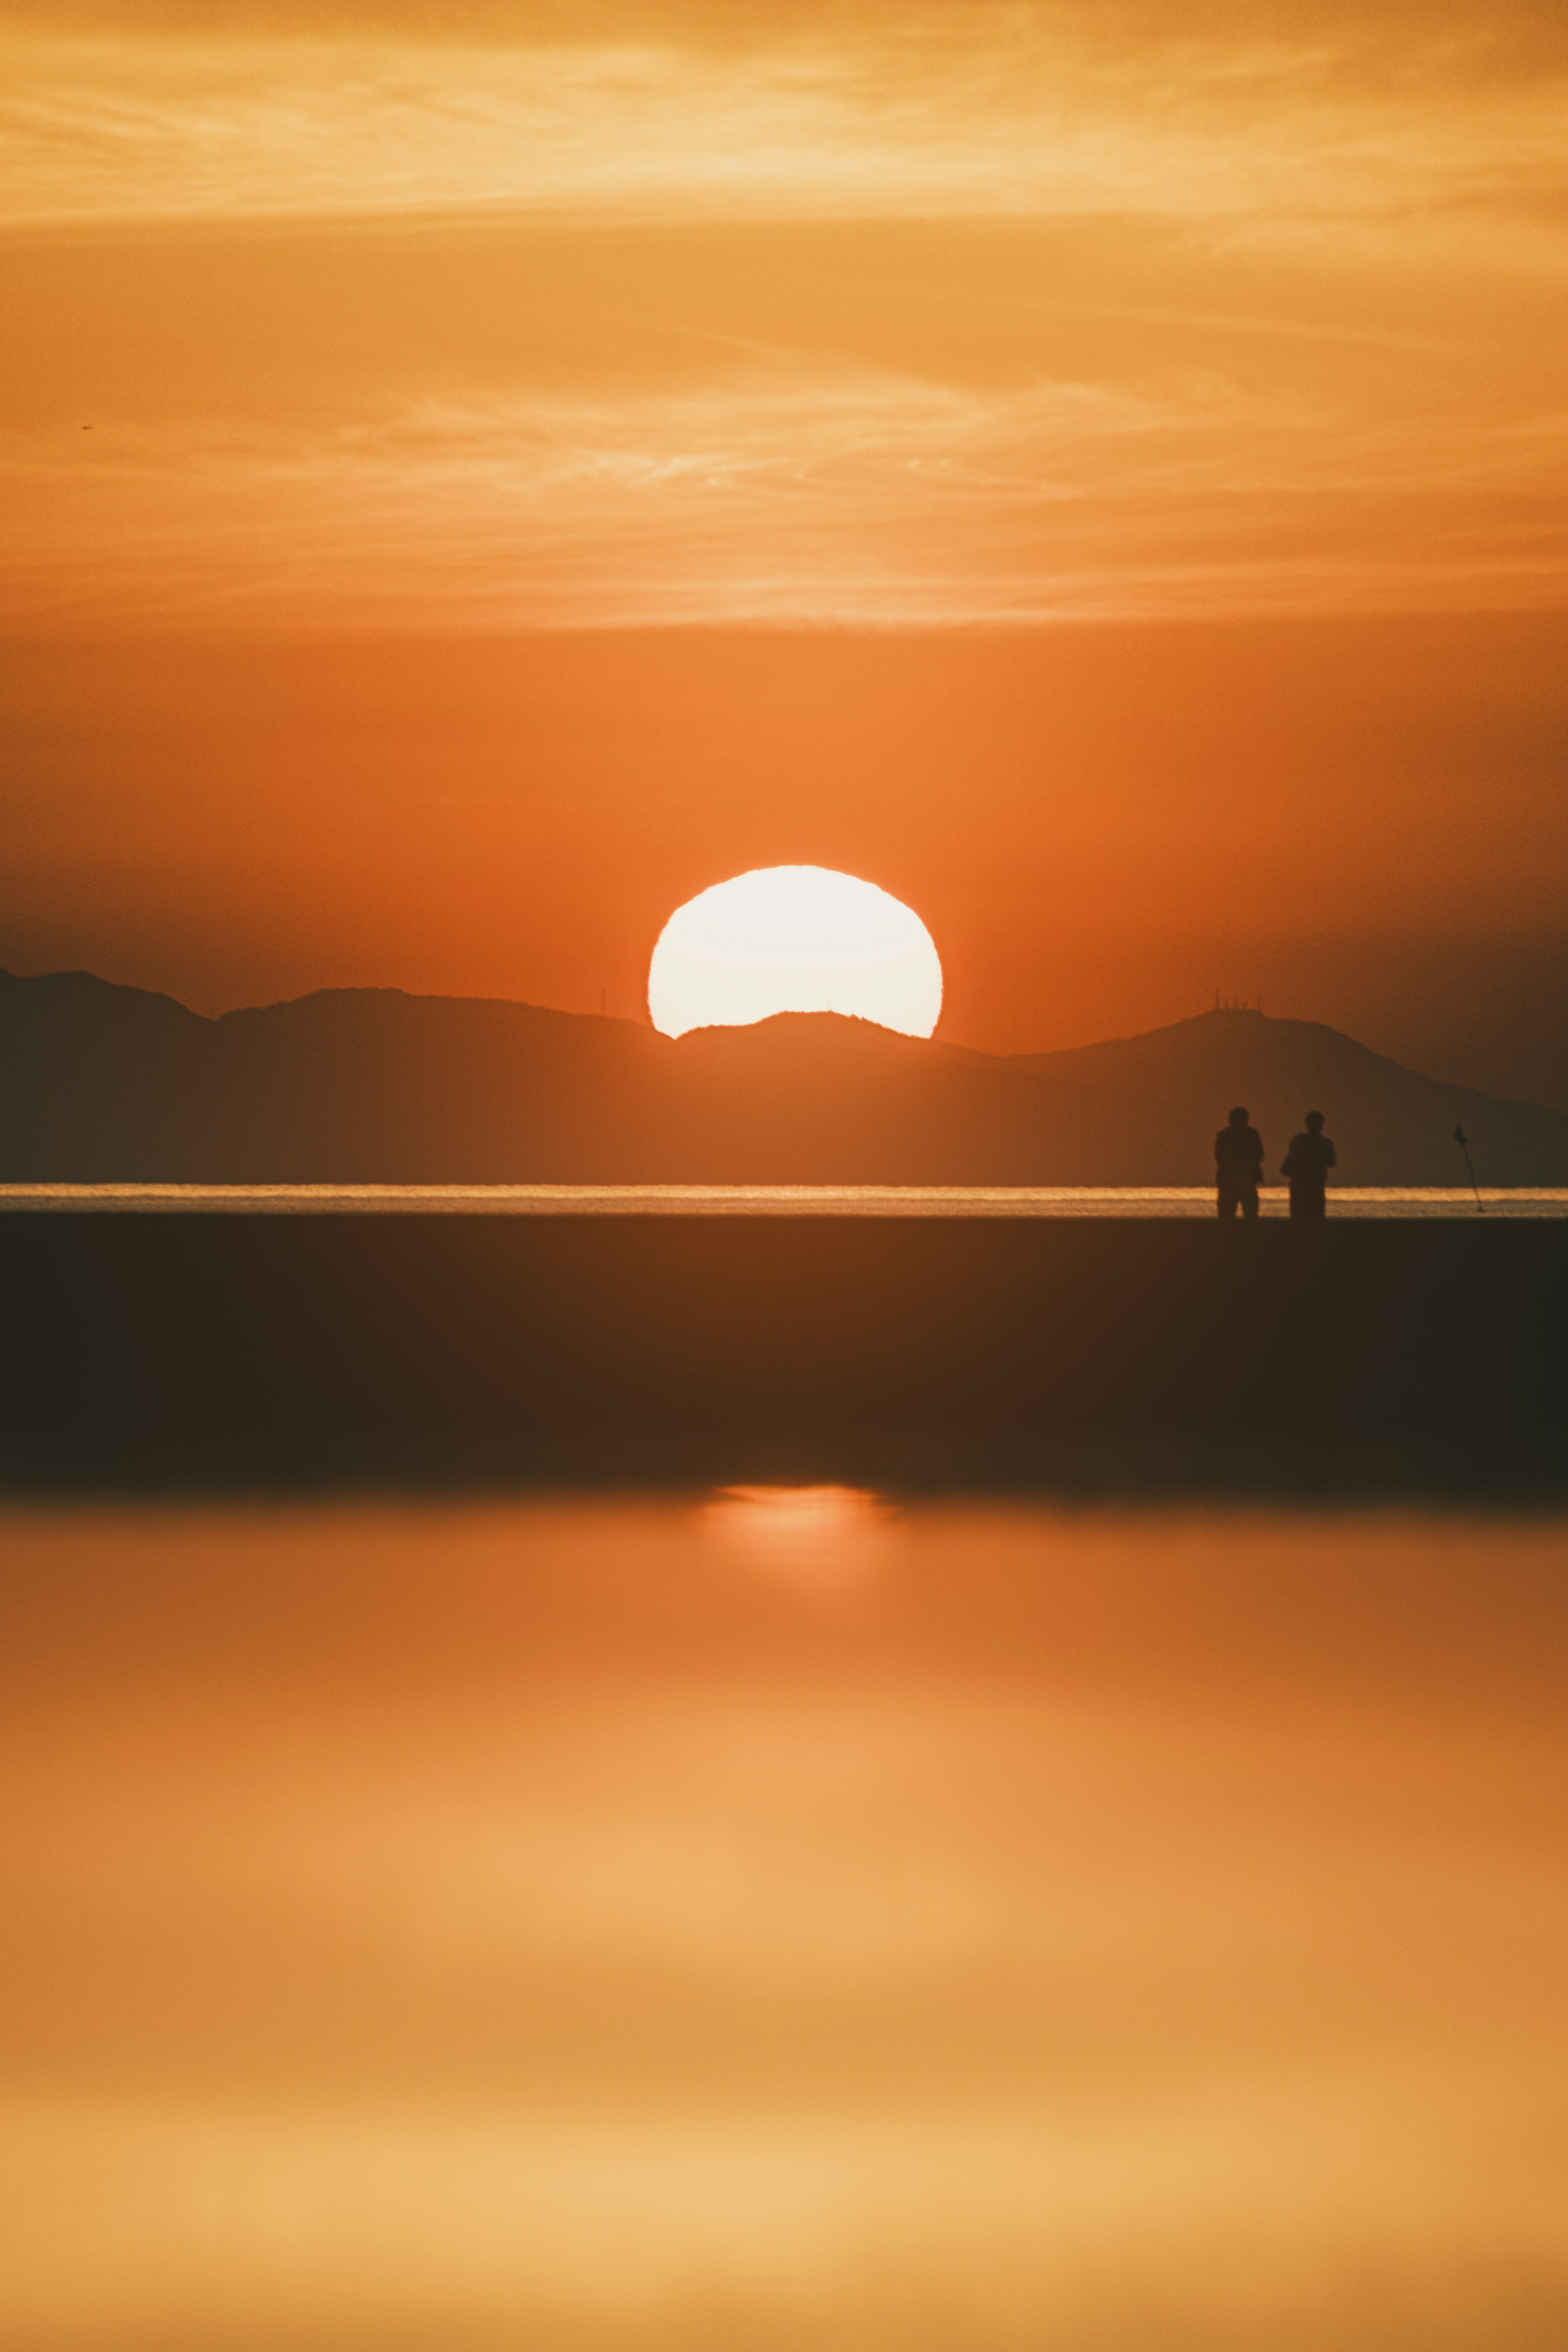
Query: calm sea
757	1200
779	1920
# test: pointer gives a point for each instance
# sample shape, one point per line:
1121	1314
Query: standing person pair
1238	1163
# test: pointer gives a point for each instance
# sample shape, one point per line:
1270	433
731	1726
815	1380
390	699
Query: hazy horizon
477	479
1468	1070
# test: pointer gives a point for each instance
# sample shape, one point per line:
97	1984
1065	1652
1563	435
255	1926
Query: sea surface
758	1199
778	1918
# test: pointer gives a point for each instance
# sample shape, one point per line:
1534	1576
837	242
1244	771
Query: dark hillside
101	1084
97	1081
371	1085
811	1098
1391	1125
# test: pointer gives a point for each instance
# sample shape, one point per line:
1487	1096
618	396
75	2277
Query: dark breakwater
1161	1357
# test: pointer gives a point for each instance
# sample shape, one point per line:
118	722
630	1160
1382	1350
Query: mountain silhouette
104	1084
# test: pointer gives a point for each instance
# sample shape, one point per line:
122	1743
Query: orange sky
1094	470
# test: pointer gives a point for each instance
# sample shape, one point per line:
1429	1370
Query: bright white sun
794	938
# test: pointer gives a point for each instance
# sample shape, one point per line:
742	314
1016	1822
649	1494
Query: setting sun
726	1618
794	938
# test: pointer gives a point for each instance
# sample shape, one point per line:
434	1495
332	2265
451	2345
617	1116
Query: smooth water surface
781	1920
759	1200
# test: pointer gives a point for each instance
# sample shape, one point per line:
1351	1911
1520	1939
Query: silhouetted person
1239	1165
1306	1164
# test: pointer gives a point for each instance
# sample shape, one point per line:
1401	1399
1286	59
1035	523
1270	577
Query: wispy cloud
1019	119
870	502
1333	380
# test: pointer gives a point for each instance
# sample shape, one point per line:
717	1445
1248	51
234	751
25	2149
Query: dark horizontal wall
1093	1354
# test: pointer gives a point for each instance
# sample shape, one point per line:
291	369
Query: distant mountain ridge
101	1083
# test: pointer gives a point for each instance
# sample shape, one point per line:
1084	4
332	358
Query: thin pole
1460	1139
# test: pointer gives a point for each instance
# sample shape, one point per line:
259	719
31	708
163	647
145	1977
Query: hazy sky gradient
410	327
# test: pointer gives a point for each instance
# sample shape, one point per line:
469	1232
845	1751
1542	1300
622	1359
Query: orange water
779	1920
966	1201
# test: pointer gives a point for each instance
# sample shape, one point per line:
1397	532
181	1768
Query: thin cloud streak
862	501
687	432
101	130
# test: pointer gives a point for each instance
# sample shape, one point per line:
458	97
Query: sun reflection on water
825	1538
782	1919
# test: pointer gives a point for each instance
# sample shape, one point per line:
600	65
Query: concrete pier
1069	1354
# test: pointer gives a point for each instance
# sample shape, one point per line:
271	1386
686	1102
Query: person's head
1239	1118
1314	1122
